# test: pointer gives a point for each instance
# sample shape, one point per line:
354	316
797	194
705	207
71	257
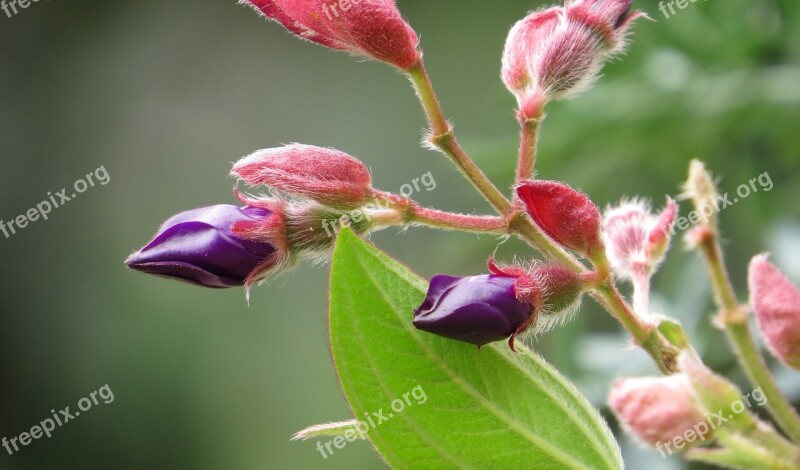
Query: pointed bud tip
199	247
364	28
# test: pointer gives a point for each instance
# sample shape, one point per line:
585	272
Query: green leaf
673	331
455	406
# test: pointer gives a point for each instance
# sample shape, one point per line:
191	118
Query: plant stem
641	292
448	220
646	335
406	211
733	319
740	453
529	136
443	138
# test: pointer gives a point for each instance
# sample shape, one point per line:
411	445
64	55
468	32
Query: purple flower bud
199	247
475	309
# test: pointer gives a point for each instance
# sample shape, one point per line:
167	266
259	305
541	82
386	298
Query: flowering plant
391	332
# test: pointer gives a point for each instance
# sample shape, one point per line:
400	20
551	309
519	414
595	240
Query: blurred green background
165	95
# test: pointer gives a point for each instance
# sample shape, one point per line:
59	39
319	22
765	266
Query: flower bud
702	190
776	303
366	28
525	37
554	287
475	309
556	52
569	217
328	176
637	239
657	410
201	247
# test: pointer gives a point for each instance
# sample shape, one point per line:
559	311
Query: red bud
568	216
369	28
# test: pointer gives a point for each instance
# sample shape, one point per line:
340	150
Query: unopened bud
568	216
776	303
476	309
557	52
202	247
328	176
657	410
637	239
702	190
366	28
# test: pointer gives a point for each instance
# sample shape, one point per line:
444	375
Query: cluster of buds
504	304
557	52
683	410
629	238
226	246
365	28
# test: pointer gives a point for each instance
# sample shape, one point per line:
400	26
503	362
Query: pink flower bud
657	410
557	52
525	37
367	28
776	303
569	217
636	238
325	175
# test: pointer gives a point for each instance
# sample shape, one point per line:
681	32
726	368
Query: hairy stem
646	335
739	453
529	136
443	138
641	292
448	220
406	211
733	319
